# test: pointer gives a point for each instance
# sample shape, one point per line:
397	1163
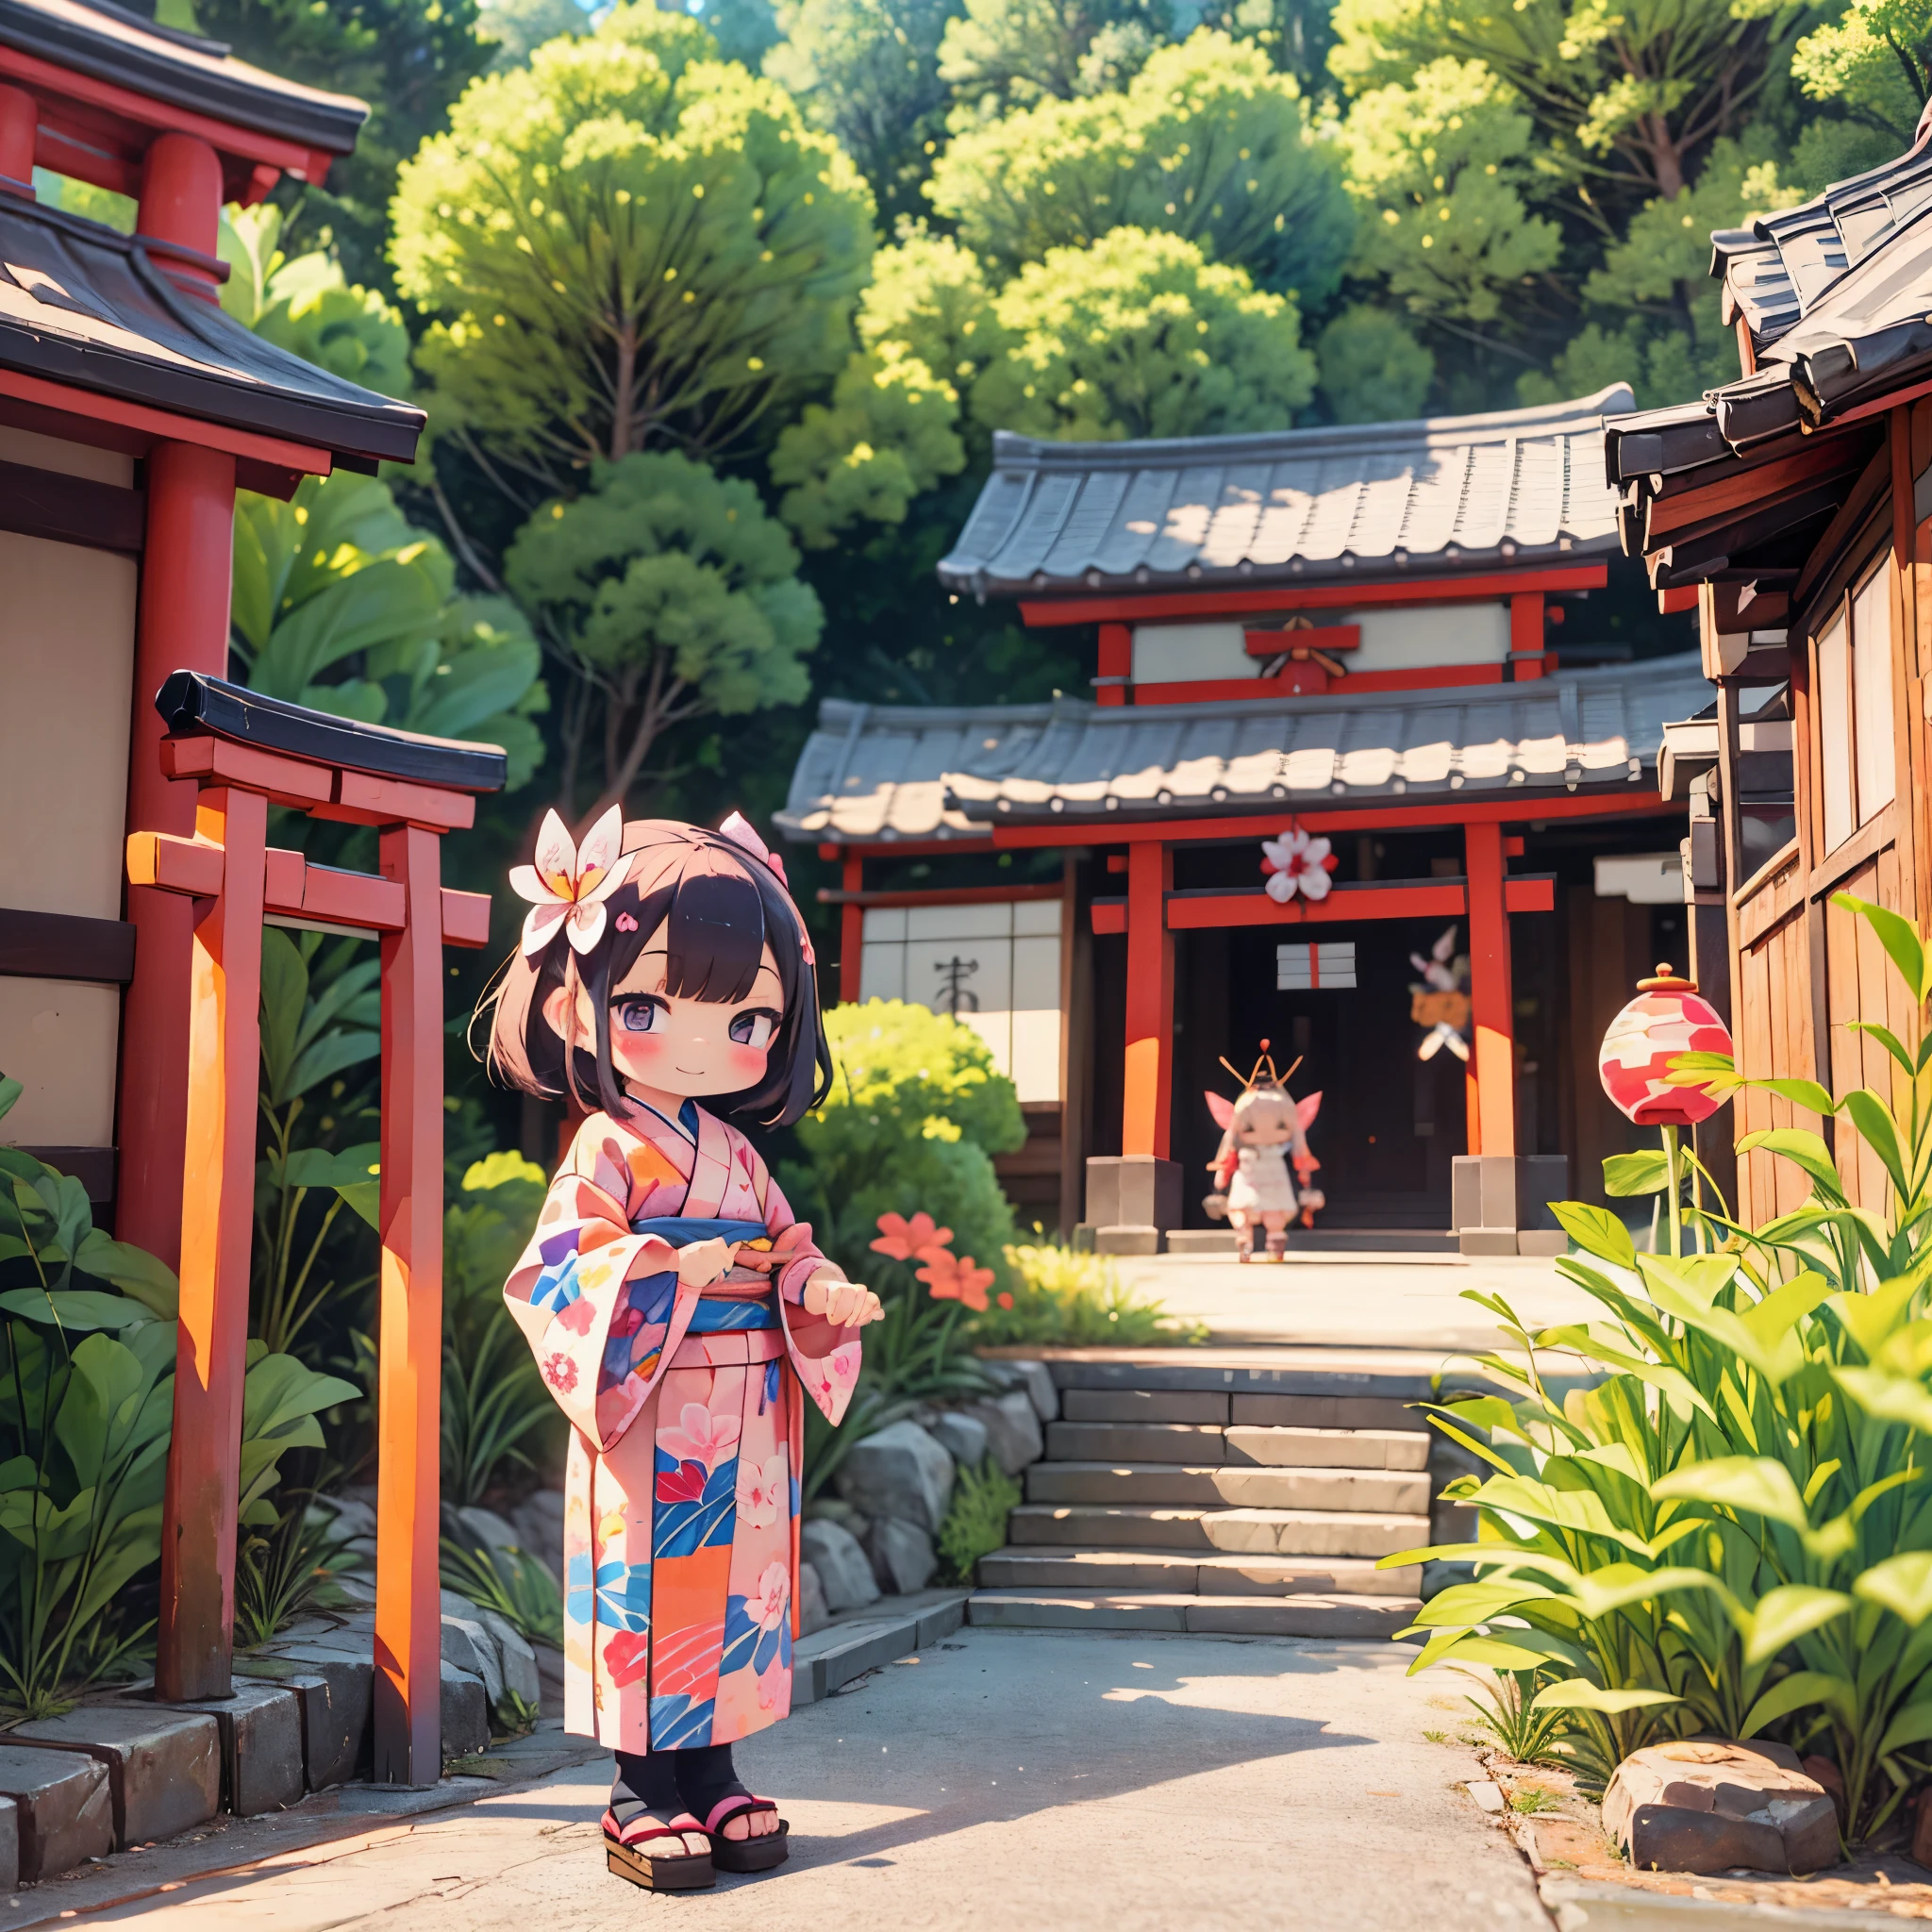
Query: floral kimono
681	1516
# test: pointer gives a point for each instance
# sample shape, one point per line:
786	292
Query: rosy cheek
747	1063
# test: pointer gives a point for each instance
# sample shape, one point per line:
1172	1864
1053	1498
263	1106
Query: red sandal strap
735	1804
647	1824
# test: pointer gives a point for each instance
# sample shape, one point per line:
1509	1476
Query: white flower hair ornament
1296	862
568	884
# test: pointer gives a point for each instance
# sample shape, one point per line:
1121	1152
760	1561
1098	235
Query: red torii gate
246	752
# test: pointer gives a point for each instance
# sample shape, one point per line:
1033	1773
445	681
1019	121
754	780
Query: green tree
1372	368
407	59
1626	100
340	603
669	593
519	28
930	298
626	243
867	71
1207	140
1438	165
1875	59
1140	335
1000	54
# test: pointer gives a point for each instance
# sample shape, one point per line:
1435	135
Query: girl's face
1265	1122
687	1048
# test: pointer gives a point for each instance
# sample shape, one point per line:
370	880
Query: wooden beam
851	932
1204	911
1153	606
1494	1058
1147	1085
61	945
72	510
1116	664
939	895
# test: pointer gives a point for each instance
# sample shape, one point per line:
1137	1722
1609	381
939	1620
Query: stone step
1199	1444
1230	1532
1400	1491
1144	1406
1050	1571
1228	1616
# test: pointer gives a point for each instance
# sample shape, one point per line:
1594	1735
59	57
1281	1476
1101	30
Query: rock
1487	1793
902	1556
1825	1774
64	1812
164	1767
334	1690
1707	1805
538	1521
9	1845
481	1529
1036	1379
517	1658
1012	1430
844	1572
901	1472
465	1713
813	1613
1922	1830
468	1644
836	1509
352	1520
262	1745
962	1437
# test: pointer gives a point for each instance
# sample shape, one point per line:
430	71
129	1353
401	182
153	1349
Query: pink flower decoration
739	829
767	1604
762	1487
1296	862
567	886
560	1372
700	1436
578	1317
625	922
775	1680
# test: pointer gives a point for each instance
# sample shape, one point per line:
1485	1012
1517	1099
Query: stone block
1200	1240
1132	1190
902	1556
1486	1240
1204	1406
1127	1239
164	1767
517	1658
465	1713
962	1437
1036	1379
63	1810
1707	1805
844	1569
9	1845
539	1524
1499	1191
336	1742
468	1644
260	1727
901	1471
813	1612
1545	1243
1012	1429
480	1529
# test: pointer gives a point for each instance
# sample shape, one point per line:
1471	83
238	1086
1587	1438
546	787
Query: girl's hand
844	1304
703	1262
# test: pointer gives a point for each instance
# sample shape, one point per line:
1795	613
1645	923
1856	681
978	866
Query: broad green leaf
315	1167
1784	1307
1643	1173
1469	1648
1579	1693
1879	1132
133	1271
1873	1317
1753	1483
74	1311
1616	1586
1784	1614
1902	1584
1894	1398
1596	1230
1888	1039
11	1090
1801	1687
1898	939
1911	1725
1672	1382
1801	1147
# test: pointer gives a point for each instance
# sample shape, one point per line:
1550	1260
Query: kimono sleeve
569	1284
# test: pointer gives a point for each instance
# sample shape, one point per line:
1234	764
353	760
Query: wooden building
1793	507
131	409
1351	632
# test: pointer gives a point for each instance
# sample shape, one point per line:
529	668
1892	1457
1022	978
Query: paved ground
1387	1301
1020	1780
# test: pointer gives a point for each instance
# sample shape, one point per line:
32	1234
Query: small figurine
1263	1127
680	1314
1441	1002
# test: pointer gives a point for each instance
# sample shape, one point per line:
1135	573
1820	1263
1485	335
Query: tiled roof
84	306
1776	270
873	772
116	44
1451	492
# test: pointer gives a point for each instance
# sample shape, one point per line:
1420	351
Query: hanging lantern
1667	1016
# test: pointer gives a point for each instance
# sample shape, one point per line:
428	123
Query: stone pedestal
1131	1198
1499	1203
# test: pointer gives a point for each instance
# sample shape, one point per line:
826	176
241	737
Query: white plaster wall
1416	637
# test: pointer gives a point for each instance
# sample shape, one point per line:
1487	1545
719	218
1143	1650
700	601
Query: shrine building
1401	639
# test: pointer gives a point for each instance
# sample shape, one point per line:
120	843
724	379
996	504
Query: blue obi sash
717	1313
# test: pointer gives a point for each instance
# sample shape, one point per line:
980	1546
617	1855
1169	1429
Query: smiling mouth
691	1070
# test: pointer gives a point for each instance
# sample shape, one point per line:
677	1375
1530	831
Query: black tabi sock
646	1783
704	1775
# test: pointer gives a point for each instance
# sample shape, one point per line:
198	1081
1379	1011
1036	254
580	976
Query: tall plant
1732	1531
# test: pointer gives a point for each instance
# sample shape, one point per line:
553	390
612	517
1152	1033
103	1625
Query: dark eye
639	1015
755	1027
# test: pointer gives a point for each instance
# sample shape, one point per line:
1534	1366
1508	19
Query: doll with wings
1264	1129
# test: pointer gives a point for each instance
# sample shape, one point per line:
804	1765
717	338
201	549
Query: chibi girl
1261	1130
675	1308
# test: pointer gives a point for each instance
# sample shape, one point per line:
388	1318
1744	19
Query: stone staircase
1221	1496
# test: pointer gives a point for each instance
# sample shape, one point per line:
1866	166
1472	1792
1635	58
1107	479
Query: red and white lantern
1667	1016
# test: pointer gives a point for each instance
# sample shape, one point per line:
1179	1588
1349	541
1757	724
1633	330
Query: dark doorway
1389	1123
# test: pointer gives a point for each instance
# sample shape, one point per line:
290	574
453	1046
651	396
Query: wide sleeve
573	1280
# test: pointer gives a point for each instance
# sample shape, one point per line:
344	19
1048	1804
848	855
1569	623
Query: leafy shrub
1732	1533
512	1583
975	1526
1065	1297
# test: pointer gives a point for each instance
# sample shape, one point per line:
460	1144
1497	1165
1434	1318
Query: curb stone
844	1650
1580	1906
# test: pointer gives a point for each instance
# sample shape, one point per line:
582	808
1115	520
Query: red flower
560	1372
954	1278
578	1316
1005	1301
683	1484
628	1654
901	1240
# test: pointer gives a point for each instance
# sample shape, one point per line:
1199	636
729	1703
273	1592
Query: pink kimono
681	1518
